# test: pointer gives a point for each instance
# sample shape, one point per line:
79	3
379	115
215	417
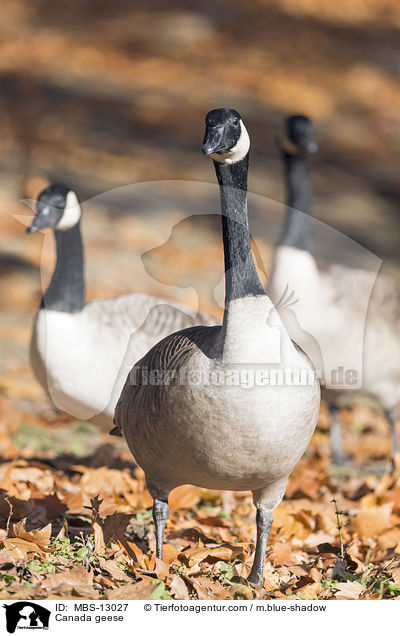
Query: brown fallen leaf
192	535
395	574
212	587
18	508
41	536
50	507
243	570
135	554
133	591
303	581
300	488
78	575
316	575
208	520
115	525
348	590
310	591
179	589
74	591
184	497
19	548
170	553
280	594
281	553
393	495
370	522
97	525
390	539
195	586
111	567
219	553
162	569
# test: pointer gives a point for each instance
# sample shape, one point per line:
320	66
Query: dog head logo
26	615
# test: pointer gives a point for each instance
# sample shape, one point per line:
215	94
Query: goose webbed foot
264	523
160	516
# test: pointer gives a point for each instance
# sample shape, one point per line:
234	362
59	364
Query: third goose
197	423
328	300
79	350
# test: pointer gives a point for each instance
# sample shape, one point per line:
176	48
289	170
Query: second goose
79	350
328	301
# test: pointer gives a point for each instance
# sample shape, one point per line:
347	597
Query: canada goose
81	352
196	422
329	300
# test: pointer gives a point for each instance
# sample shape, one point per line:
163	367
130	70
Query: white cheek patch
239	151
72	213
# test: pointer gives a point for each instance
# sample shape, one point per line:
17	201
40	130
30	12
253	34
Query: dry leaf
19	509
41	536
170	553
114	526
112	568
162	569
133	591
184	497
219	553
97	526
178	588
66	591
372	521
349	590
281	553
73	577
19	548
390	539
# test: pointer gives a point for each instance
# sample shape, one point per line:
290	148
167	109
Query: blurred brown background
98	94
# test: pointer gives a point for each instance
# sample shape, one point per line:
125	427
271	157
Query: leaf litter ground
76	523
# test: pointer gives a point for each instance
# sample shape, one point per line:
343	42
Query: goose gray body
81	352
202	425
329	308
81	359
331	303
217	436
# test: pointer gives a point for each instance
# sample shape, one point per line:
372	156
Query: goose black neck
66	291
297	231
241	278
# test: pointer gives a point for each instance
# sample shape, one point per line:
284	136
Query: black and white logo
26	615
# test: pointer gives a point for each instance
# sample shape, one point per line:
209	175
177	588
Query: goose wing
354	285
162	361
134	311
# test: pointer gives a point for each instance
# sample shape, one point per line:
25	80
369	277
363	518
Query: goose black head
57	207
226	139
299	136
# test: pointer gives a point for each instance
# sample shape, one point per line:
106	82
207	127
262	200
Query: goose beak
32	228
213	140
41	220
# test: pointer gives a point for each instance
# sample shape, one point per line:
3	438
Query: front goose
186	410
81	352
329	301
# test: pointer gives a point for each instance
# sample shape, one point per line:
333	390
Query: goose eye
236	122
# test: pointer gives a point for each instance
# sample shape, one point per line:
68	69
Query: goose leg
391	416
338	457
264	523
160	516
